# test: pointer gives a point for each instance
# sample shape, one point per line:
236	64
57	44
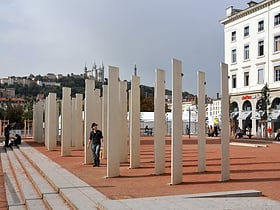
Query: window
233	56
246	79
233	81
260	76
261	26
261	48
233	36
246	31
276	43
246	52
276	20
277	73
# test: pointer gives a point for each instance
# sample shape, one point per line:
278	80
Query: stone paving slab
189	203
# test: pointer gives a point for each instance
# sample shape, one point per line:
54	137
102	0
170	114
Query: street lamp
189	122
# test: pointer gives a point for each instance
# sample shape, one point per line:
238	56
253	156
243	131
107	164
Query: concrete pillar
254	121
88	112
176	136
47	122
225	174
114	121
134	122
159	133
66	125
201	122
51	123
38	129
73	122
104	120
123	124
78	138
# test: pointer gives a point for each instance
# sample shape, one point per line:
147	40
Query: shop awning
256	116
243	115
274	115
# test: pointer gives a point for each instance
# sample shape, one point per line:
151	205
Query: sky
63	36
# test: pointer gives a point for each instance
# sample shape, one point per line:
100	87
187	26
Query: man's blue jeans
95	152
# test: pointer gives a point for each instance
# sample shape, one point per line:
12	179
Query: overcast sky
62	36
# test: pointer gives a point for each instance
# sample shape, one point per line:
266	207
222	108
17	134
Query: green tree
263	106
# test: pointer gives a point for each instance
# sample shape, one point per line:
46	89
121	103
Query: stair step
50	196
75	191
25	185
13	195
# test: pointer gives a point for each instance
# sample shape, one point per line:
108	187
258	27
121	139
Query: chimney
252	3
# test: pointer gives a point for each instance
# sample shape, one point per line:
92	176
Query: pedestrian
269	131
17	139
95	138
7	134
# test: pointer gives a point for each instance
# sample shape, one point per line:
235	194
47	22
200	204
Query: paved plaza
254	168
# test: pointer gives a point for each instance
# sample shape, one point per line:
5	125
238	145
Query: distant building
7	92
252	52
96	73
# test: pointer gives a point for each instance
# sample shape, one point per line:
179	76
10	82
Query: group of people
213	131
15	140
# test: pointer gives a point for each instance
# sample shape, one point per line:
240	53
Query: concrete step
50	196
31	197
13	195
77	193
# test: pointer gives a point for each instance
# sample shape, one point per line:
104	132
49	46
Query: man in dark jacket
95	138
7	134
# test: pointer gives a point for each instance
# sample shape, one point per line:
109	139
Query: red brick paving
251	168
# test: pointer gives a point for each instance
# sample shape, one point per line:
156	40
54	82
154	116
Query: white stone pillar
79	122
159	132
38	124
52	121
97	104
225	173
89	109
134	122
104	119
47	122
201	122
113	129
66	125
73	122
123	124
176	136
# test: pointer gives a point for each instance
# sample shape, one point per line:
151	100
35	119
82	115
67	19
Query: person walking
7	134
95	138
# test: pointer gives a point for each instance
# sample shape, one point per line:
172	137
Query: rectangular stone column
73	122
38	129
176	136
134	122
78	138
47	122
201	122
225	175
51	122
123	124
159	132
113	129
104	119
66	132
89	109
